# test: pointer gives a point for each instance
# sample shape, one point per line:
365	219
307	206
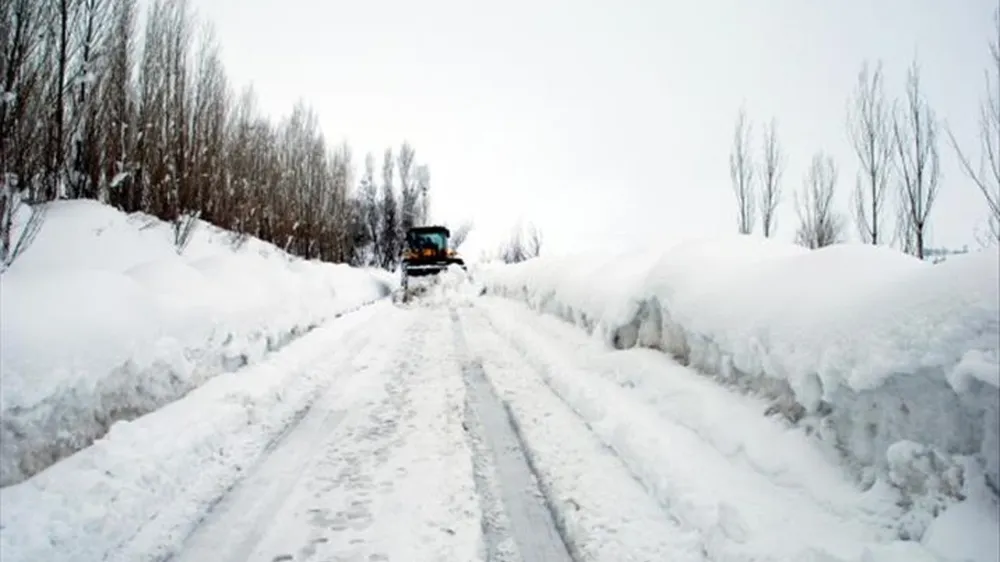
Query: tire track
517	522
542	376
605	512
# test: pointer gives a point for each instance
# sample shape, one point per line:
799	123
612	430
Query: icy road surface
475	429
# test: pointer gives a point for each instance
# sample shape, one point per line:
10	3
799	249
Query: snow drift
101	319
891	361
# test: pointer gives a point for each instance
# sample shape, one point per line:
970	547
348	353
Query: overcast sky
606	121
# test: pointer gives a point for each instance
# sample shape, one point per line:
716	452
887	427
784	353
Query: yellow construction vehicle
426	253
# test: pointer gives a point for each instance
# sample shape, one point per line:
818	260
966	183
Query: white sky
606	121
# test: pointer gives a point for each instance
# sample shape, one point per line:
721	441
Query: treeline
144	118
897	178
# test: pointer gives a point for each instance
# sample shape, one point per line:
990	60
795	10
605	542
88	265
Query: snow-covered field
891	362
101	319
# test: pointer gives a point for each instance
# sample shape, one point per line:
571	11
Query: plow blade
423	270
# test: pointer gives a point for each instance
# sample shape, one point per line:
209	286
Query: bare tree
244	168
423	194
741	173
407	187
337	205
819	224
870	128
359	242
208	134
23	73
91	107
370	216
59	37
181	196
86	150
118	110
905	235
987	177
915	137
151	152
390	240
771	170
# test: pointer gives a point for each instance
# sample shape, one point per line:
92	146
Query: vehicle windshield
428	240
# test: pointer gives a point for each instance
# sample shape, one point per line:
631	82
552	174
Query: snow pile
454	287
102	320
451	287
891	361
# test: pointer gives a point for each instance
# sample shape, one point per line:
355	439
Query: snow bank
140	489
102	320
867	348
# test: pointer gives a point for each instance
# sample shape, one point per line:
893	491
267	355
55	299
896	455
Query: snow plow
426	254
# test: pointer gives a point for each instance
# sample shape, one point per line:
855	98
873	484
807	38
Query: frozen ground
101	319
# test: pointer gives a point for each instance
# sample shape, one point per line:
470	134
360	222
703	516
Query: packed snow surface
102	319
891	361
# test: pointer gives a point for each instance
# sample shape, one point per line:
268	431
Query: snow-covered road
457	429
379	468
409	456
484	431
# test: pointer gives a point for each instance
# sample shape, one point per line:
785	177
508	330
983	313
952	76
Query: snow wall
102	320
890	361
